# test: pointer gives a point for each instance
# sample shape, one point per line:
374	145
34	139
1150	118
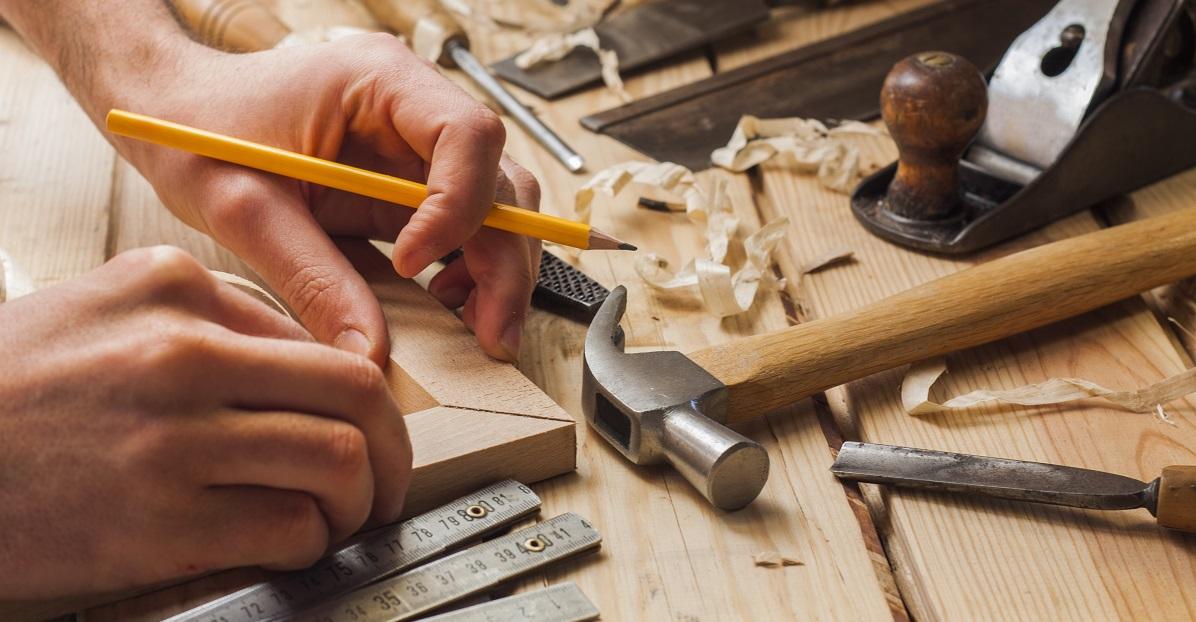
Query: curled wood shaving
319	35
253	289
534	16
672	182
804	144
915	392
773	559
553	47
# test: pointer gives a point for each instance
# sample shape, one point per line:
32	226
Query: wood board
963	558
472	420
668	557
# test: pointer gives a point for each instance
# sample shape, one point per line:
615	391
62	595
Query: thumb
264	221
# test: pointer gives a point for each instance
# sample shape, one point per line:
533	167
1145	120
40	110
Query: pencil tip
623	246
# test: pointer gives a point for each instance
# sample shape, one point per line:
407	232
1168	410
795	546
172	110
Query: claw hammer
670	407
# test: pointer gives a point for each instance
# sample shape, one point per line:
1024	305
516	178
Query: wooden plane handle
1177	498
233	25
425	23
984	303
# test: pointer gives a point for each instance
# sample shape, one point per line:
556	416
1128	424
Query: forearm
109	54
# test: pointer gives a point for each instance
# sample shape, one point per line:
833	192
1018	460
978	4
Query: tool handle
233	25
427	26
1177	498
975	306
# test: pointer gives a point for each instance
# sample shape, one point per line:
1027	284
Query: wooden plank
473	421
55	171
969	558
666	554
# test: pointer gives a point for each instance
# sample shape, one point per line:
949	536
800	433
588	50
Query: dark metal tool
1171	497
833	79
1096	99
640	36
669	407
560	288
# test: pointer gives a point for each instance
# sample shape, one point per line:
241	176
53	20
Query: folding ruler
400	572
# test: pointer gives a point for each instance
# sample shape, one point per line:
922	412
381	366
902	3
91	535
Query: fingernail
352	340
415	261
511	336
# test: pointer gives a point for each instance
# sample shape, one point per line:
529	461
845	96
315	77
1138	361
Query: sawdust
915	392
773	559
805	145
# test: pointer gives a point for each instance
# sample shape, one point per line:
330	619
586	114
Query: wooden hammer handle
975	306
425	23
233	25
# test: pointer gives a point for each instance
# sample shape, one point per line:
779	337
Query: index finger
463	141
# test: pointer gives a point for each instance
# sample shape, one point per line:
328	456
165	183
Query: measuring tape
376	555
461	574
560	603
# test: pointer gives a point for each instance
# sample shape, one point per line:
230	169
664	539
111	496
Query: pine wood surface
960	558
665	554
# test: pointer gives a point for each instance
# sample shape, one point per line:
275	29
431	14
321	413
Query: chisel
435	35
1171	497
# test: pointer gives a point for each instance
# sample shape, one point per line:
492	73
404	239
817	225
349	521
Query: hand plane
1098	98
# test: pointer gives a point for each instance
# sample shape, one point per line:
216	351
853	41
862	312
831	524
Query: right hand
157	423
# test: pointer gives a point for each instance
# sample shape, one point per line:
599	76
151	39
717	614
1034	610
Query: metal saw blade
839	78
640	36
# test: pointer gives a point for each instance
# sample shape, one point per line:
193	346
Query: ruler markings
375	555
563	602
459	575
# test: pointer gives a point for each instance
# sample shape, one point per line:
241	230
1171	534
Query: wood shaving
533	16
320	35
773	559
553	47
827	259
670	182
915	392
806	145
253	289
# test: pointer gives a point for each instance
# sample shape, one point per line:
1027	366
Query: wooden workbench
67	204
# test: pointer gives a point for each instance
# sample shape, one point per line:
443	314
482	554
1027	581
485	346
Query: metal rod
524	117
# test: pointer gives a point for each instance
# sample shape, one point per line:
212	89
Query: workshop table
67	204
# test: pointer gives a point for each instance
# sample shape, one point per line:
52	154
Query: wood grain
1177	498
472	419
987	302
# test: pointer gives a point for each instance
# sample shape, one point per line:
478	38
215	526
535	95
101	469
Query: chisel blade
994	477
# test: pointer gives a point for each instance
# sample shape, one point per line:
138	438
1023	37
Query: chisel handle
984	303
427	26
1177	498
233	25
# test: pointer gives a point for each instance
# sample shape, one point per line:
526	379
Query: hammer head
658	407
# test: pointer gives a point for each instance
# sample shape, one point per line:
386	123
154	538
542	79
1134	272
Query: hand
157	423
370	102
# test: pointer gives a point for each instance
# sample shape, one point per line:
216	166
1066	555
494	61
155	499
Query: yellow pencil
348	178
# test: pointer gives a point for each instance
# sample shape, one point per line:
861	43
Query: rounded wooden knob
933	103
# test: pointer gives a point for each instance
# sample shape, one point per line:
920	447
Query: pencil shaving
553	47
921	377
806	145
